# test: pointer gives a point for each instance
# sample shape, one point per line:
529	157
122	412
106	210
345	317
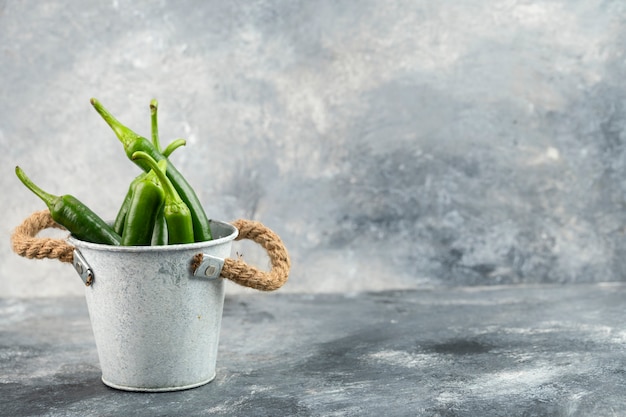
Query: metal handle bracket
82	267
210	267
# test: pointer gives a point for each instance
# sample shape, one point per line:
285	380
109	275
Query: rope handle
247	275
25	243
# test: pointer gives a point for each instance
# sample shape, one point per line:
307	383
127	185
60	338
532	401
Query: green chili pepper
132	143
159	236
72	214
175	211
147	199
118	225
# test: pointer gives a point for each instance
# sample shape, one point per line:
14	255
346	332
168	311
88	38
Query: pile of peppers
160	207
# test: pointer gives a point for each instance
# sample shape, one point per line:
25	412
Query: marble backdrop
392	144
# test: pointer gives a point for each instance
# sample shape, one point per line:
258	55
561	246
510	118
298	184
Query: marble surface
541	350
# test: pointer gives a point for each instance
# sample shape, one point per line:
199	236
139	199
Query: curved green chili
72	214
160	230
175	211
118	225
132	143
146	202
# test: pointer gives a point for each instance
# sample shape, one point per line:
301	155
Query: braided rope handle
25	243
249	276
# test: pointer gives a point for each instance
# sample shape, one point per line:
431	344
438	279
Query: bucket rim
161	248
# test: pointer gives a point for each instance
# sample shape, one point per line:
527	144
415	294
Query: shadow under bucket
156	324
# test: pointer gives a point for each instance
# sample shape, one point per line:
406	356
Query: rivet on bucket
207	266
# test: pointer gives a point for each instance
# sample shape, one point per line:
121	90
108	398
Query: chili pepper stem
124	134
173	146
154	106
168	188
48	198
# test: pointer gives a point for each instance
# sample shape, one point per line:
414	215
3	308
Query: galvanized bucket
156	324
156	311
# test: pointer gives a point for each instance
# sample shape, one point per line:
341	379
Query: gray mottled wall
391	144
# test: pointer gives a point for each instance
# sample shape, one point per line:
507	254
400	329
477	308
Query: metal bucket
156	324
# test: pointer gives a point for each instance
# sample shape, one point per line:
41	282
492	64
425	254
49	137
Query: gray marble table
479	352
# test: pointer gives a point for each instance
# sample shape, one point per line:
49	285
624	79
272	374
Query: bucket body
155	324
